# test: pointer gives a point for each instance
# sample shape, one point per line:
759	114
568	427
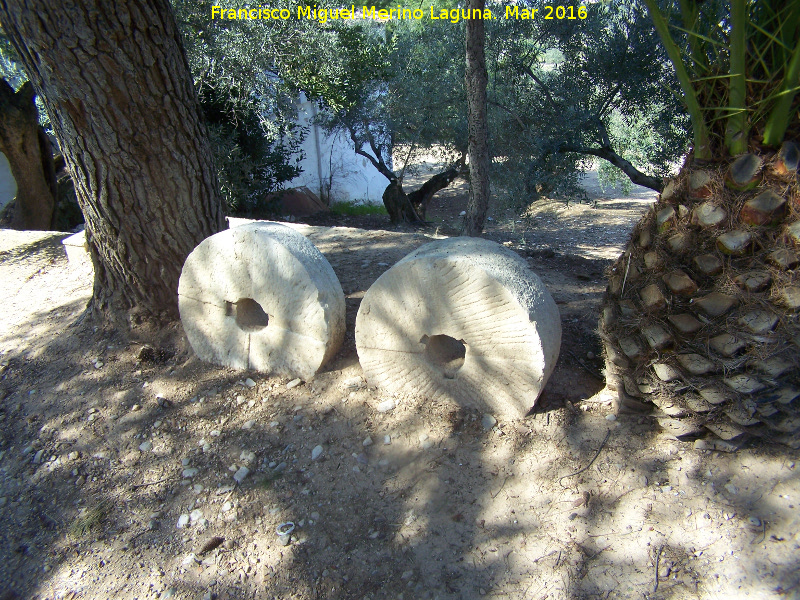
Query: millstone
261	296
463	319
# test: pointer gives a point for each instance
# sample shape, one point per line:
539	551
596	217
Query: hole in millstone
445	353
248	314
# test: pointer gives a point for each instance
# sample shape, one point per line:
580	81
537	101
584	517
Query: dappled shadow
449	508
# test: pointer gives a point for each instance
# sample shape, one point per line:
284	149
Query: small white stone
387	439
488	421
240	475
463	213
146	446
135	407
611	417
240	400
216	433
250	383
293	383
189	473
183	521
227	506
248	424
386	405
316	452
367	441
196	515
247	456
189	560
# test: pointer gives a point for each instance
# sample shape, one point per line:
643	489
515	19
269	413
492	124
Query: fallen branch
658	557
591	462
141	485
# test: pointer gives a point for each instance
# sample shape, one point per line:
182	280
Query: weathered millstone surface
753	281
708	264
734	242
765	209
716	304
680	283
463	319
261	296
708	214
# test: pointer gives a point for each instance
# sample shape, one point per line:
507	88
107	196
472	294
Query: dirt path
103	456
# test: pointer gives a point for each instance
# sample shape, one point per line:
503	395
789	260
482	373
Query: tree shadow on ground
450	508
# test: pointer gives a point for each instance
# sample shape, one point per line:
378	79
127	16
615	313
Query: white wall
354	177
8	187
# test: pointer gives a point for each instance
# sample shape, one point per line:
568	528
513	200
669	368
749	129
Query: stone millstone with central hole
261	296
463	319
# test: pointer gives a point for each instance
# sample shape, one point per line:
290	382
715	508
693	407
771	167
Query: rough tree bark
30	157
421	197
116	84
476	79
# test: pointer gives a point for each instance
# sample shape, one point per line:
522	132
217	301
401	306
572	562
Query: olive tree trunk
30	157
116	84
476	79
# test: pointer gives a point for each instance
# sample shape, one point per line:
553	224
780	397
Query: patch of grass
271	477
90	518
352	208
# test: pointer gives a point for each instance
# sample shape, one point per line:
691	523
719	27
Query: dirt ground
116	465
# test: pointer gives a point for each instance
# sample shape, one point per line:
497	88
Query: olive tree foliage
242	74
249	76
412	106
565	93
